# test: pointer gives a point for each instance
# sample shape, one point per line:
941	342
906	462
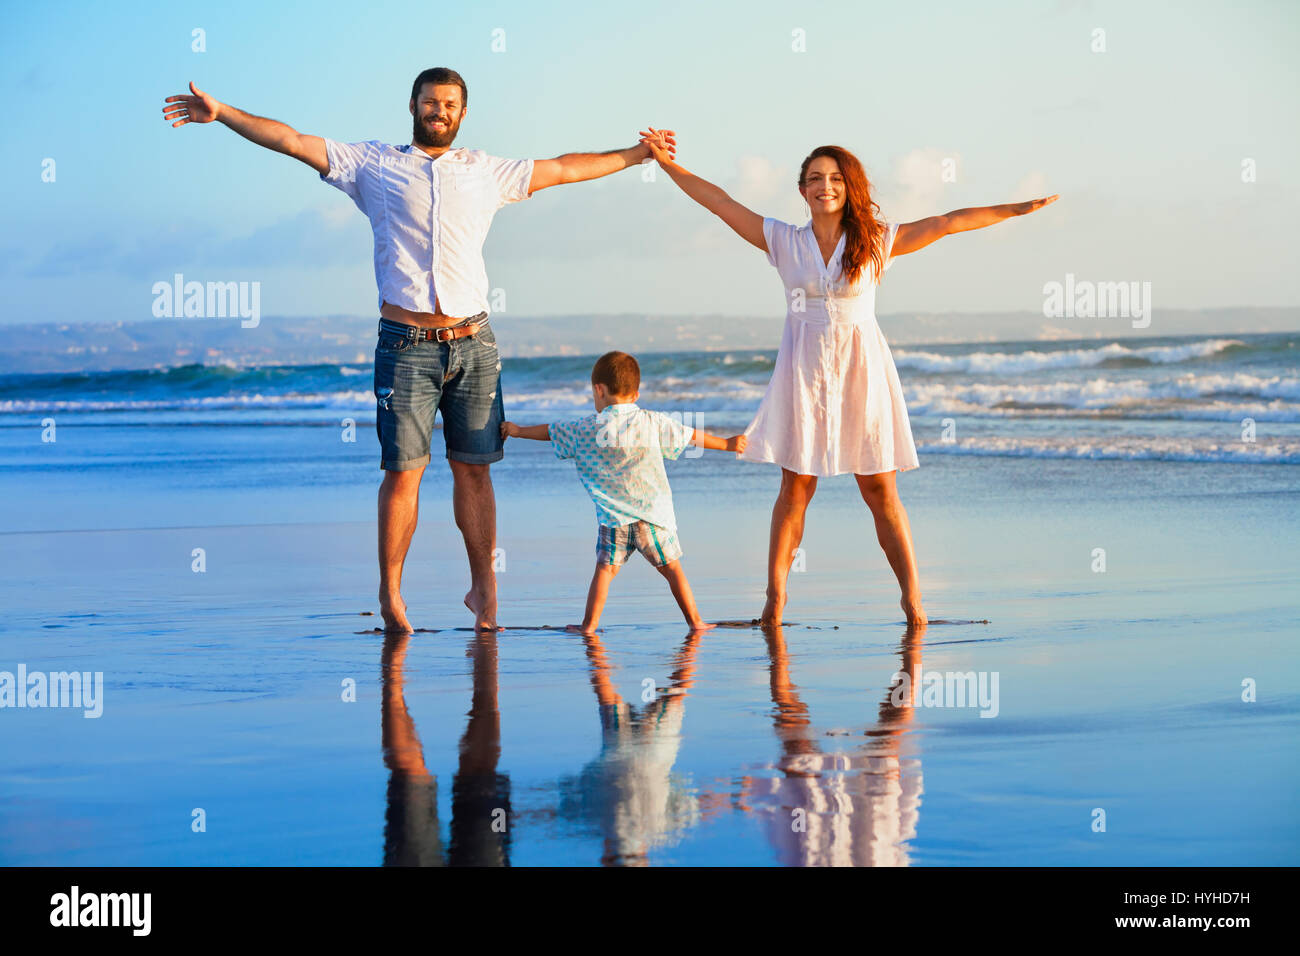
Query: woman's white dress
834	405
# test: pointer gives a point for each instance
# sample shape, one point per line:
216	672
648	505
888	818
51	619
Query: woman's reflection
838	809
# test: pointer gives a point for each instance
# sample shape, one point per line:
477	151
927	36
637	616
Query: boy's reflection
480	797
629	793
838	809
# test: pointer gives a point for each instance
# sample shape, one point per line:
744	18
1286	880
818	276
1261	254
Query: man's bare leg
681	589
399	508
895	536
475	506
596	596
787	532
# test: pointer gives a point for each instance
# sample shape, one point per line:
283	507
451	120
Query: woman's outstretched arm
917	235
746	223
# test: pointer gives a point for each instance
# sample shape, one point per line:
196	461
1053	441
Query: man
430	206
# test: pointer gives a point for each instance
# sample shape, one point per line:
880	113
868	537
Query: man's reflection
480	796
629	793
838	809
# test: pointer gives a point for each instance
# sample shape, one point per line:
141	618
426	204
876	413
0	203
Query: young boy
619	453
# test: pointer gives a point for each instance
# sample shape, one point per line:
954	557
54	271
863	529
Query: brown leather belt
443	334
446	334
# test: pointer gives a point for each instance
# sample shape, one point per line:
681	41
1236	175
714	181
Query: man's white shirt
429	216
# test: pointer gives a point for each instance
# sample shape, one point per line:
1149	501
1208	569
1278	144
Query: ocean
1168	399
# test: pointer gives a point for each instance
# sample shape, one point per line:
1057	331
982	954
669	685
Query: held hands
199	108
737	443
1020	208
509	430
662	143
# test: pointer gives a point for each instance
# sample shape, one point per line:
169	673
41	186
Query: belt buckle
439	337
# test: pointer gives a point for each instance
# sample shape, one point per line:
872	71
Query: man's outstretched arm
579	167
201	107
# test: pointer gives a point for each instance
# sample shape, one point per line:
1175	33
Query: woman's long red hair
864	232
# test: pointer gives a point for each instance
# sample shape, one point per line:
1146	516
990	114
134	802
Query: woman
834	404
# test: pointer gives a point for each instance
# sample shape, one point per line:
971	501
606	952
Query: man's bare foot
915	613
484	607
772	611
699	626
393	609
580	629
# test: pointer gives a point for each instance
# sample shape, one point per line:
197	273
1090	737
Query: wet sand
229	690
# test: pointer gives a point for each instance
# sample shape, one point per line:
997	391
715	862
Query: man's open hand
199	108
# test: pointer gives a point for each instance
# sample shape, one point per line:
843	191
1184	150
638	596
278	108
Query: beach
1110	562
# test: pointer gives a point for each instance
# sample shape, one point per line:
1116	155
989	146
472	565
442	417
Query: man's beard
421	135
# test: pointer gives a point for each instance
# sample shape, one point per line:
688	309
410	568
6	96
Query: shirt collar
619	408
410	150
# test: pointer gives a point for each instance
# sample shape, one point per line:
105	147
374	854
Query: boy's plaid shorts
615	545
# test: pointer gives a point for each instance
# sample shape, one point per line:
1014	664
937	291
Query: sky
1145	140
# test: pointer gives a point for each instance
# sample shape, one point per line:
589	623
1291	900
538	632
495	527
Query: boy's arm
735	443
535	432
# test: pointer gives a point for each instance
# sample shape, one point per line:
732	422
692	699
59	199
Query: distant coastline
169	343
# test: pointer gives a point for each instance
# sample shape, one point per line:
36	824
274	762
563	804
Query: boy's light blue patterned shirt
620	454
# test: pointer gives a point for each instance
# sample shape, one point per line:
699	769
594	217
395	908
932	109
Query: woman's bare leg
895	536
787	532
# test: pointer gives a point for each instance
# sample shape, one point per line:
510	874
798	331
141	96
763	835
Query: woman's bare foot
484	607
772	611
393	610
915	613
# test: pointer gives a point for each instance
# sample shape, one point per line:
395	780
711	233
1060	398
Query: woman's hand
662	143
1020	208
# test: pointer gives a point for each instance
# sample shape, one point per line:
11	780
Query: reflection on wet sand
480	796
629	795
819	807
835	808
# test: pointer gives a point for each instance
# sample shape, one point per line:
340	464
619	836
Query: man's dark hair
440	76
618	372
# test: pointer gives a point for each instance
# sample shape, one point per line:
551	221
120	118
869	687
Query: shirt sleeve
674	435
511	177
347	161
564	437
776	235
891	230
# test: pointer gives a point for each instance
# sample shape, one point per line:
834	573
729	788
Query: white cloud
920	183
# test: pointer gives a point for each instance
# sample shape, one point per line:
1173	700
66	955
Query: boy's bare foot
393	610
579	629
772	611
484	607
699	626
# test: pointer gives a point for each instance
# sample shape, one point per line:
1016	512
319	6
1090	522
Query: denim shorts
658	545
414	380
